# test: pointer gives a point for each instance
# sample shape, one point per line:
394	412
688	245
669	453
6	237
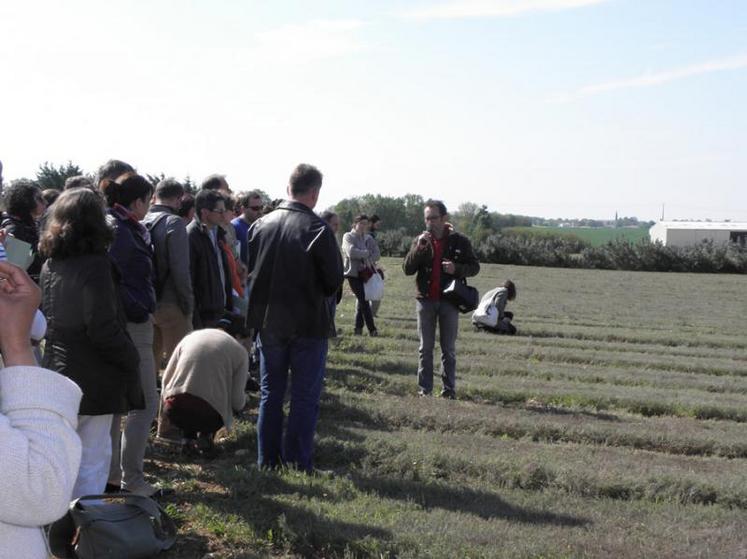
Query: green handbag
117	526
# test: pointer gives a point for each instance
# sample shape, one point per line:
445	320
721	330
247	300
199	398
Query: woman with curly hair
24	205
128	197
87	339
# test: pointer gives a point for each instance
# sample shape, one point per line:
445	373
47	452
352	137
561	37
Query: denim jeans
306	359
446	315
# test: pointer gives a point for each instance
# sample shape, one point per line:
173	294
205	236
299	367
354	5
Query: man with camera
438	256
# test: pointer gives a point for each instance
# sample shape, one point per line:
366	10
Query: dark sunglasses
255	208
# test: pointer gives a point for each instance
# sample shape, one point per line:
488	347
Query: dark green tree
52	176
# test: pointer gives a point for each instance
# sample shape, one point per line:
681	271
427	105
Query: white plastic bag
374	288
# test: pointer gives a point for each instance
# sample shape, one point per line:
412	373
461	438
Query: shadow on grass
291	526
460	499
556	410
188	546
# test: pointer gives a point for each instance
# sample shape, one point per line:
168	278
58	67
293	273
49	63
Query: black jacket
296	265
132	253
86	336
458	249
211	297
27	232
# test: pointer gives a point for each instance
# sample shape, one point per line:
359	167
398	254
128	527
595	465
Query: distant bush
394	242
534	250
531	250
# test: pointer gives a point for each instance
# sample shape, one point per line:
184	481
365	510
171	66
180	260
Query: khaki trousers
170	325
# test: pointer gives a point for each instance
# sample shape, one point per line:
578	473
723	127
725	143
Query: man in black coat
296	265
211	280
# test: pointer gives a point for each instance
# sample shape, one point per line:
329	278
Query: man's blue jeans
306	360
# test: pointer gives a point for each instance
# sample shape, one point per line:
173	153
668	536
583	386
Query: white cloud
312	40
461	9
658	78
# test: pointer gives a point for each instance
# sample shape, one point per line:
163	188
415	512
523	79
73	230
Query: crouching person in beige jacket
39	448
203	386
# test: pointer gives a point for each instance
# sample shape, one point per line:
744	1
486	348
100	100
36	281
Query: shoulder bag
465	297
118	526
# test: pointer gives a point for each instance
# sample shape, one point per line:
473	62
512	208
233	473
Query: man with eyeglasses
211	282
251	210
438	256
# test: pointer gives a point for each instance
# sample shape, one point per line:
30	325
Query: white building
686	233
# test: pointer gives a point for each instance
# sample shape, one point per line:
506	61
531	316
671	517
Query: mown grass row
390	375
541	423
585	471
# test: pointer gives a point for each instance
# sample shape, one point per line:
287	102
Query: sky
551	108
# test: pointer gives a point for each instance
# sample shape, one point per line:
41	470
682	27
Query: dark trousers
363	309
192	415
306	359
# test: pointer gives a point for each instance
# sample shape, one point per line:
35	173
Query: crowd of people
155	301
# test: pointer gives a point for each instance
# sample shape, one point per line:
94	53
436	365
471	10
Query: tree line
492	238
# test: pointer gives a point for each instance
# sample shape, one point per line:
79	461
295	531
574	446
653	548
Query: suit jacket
212	297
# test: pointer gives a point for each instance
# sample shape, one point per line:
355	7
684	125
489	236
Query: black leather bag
464	296
118	526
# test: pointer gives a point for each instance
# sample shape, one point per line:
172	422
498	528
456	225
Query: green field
595	236
613	425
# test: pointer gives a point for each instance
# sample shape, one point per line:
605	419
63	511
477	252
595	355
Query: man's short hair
50	195
304	179
113	169
230	202
245	198
213	182
169	189
207	200
437	204
327	215
79	181
374	219
359	218
186	205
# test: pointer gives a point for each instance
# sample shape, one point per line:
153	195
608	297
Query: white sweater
39	456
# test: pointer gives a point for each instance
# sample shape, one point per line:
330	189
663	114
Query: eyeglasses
255	208
219	211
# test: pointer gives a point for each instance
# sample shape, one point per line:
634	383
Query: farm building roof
705	225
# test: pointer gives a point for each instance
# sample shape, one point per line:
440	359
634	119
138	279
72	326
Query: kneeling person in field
203	385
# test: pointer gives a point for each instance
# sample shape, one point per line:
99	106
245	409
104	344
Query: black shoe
358	332
111	488
423	393
374	333
251	385
206	446
448	394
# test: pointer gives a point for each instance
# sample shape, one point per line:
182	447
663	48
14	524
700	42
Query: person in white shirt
39	448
